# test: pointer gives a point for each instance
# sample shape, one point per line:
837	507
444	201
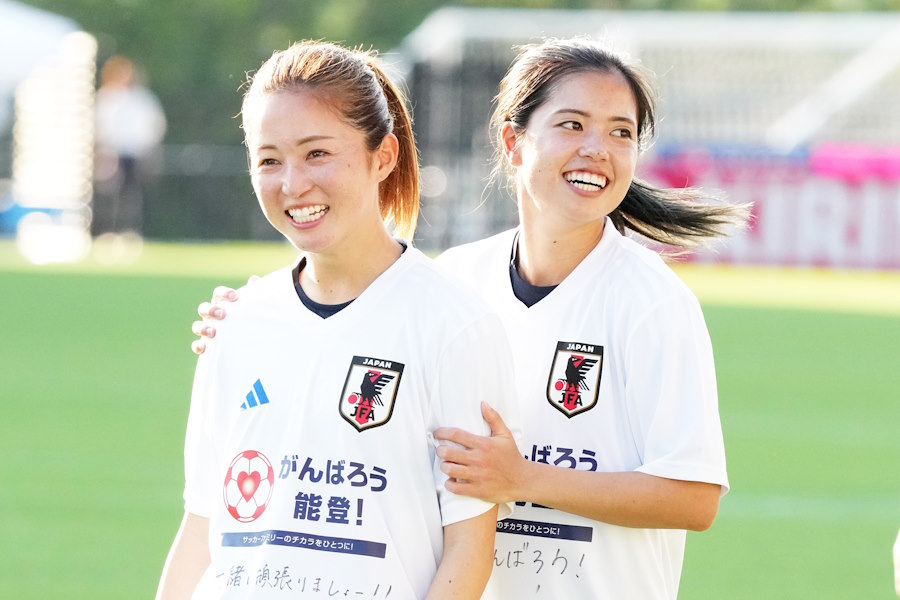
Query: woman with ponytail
310	463
623	447
622	450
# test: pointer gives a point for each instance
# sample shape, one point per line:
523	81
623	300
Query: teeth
588	182
307	213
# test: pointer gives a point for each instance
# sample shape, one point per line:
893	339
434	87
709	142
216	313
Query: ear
509	142
386	156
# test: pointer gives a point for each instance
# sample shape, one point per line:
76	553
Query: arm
468	558
492	469
187	560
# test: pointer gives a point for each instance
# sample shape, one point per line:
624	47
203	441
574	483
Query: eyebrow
300	142
577	111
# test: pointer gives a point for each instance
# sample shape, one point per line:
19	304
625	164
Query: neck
338	277
548	257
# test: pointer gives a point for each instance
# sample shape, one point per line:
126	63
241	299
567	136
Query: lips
584	180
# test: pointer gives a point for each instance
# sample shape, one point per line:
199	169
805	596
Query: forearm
628	499
187	560
468	558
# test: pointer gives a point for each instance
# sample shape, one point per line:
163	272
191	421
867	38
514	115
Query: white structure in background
49	68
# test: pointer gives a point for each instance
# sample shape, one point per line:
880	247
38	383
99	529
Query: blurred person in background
130	125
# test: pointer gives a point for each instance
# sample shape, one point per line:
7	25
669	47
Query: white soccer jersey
614	372
309	440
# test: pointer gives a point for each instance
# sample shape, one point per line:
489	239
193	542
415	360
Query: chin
311	244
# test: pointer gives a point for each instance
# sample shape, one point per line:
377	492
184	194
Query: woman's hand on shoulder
210	311
489	468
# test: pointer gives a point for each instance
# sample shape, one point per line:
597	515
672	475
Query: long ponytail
682	218
399	192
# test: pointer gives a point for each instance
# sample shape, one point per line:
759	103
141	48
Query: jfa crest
575	377
370	389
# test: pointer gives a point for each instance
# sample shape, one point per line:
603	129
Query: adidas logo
257	398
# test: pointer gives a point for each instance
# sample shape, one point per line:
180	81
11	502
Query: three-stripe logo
255	397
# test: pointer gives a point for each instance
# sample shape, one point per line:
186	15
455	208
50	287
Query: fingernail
232	295
218	313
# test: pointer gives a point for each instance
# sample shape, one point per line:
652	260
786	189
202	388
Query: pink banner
837	207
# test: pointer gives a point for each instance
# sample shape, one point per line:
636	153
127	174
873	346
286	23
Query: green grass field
96	380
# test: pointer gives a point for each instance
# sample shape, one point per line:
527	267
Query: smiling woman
614	366
334	370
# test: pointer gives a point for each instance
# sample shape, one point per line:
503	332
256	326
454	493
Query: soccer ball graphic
248	485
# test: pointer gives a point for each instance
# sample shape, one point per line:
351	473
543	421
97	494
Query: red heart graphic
248	483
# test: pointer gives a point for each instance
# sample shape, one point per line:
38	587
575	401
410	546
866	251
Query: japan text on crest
370	390
575	377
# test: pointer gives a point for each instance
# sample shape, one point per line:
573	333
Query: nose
593	147
295	181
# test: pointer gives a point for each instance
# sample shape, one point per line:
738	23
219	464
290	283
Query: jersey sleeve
475	366
671	393
199	461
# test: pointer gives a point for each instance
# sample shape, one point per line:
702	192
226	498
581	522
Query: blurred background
124	198
791	109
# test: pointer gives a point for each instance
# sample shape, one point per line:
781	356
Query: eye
266	162
316	154
573	125
623	132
